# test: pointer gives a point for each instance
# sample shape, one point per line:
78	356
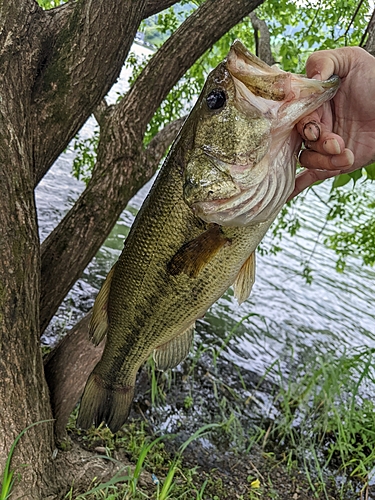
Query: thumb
325	63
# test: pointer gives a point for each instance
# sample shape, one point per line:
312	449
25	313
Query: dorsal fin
99	320
171	353
195	254
245	279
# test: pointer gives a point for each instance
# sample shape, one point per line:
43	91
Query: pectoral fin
99	320
245	279
170	354
194	255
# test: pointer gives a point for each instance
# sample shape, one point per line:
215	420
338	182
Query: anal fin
245	279
99	320
171	353
194	255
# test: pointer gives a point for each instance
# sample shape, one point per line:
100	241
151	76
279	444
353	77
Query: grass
8	478
327	422
178	482
324	424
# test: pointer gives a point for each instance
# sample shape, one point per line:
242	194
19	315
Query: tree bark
24	395
262	39
369	35
72	78
67	368
120	170
154	6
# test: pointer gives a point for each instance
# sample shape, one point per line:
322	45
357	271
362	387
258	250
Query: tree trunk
370	34
24	395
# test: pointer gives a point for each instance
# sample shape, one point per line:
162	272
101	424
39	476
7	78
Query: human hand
340	135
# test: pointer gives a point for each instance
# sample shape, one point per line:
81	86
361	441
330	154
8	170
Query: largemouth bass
224	181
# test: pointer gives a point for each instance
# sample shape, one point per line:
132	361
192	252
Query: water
290	320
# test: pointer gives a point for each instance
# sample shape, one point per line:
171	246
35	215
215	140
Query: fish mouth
273	84
283	99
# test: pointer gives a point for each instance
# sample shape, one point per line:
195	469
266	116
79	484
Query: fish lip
272	83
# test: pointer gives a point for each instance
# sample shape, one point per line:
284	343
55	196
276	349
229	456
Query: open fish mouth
258	176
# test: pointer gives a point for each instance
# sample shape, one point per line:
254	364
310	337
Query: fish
225	179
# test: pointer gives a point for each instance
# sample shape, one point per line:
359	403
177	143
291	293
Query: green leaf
341	180
370	171
357	174
8	480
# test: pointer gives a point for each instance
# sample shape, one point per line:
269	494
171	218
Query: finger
325	63
327	144
309	127
317	161
307	178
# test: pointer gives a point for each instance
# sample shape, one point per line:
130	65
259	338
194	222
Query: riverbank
211	430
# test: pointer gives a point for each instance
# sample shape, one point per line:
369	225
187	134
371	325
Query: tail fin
104	403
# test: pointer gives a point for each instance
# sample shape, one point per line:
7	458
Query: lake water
291	320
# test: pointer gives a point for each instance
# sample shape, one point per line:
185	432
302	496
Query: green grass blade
144	452
199	433
7	482
113	481
168	482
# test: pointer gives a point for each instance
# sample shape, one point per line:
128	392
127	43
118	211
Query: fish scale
177	260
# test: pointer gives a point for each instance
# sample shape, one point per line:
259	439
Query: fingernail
332	147
346	159
311	131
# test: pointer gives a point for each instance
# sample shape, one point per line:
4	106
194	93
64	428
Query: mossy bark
24	397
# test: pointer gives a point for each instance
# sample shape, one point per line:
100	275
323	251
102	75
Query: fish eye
216	99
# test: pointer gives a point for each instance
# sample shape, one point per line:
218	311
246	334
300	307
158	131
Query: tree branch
151	8
359	5
156	6
72	80
189	42
262	42
162	140
67	368
87	46
370	34
99	112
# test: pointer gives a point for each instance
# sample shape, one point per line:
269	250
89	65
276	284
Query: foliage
321	421
148	452
85	156
326	418
352	210
50	4
299	28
